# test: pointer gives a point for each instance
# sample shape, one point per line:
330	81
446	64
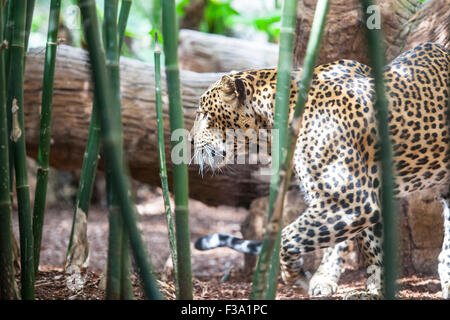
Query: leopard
337	160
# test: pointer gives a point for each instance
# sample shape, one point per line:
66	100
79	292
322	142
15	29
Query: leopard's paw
363	295
446	290
321	285
444	272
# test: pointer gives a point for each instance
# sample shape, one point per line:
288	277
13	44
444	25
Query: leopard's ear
232	91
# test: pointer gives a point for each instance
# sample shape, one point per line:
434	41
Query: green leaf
180	7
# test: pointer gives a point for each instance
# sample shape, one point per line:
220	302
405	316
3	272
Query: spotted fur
337	154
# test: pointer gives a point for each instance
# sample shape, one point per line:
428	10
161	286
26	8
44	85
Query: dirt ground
208	267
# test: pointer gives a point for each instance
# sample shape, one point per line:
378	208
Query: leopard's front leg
328	221
370	246
324	282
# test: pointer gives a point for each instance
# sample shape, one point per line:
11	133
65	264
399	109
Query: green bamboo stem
287	138
126	287
28	23
376	54
309	64
9	29
162	162
15	102
123	18
87	177
91	155
180	173
111	143
45	129
7	279
5	7
114	267
287	32
114	282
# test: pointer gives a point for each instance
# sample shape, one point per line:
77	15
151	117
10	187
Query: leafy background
251	19
257	20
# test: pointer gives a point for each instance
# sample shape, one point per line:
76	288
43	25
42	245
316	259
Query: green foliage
155	20
218	17
180	7
269	23
221	17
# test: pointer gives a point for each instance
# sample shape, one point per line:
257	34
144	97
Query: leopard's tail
216	240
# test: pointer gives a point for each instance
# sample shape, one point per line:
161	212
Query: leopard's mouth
217	158
209	158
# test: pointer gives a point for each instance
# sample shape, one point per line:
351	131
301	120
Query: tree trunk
405	23
430	23
204	52
72	104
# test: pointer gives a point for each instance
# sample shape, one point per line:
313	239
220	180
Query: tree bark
405	23
430	23
72	104
203	52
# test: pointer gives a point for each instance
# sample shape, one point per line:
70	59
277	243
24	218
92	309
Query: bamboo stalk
287	138
114	268
115	225
309	64
9	29
123	18
287	32
84	192
89	167
376	55
29	22
111	143
162	163
5	7
7	279
180	173
15	102
126	287
45	129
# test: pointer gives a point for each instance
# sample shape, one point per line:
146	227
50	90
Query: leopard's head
228	109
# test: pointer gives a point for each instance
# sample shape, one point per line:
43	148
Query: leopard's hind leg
327	222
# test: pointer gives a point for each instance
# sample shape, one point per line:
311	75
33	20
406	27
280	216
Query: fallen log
72	104
204	52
